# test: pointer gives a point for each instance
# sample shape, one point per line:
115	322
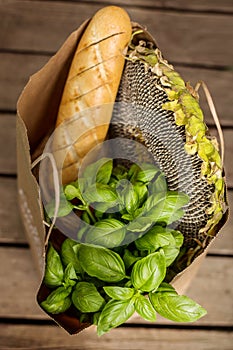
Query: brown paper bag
37	109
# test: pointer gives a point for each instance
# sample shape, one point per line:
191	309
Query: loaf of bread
91	87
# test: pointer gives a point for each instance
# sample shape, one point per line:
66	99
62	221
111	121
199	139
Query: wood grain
52	338
8	144
15	70
197	5
211	288
228	161
176	33
11	228
223	243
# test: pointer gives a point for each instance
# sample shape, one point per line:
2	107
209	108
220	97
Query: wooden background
196	36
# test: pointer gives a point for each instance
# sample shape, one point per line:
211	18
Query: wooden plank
176	5
215	296
11	228
228	136
8	144
52	338
20	280
200	5
36	26
223	243
15	70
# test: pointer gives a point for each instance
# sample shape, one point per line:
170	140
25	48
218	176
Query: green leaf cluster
106	278
107	291
120	204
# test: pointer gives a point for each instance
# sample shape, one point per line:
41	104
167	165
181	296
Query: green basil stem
88	210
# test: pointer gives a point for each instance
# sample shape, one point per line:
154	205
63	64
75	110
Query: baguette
93	80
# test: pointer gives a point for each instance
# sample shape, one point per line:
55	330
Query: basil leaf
53	269
72	192
149	272
127	195
58	301
70	277
102	263
119	172
85	217
140	224
179	238
107	233
177	308
114	313
142	192
144	308
133	172
119	293
113	182
86	297
82	184
65	207
128	217
99	193
105	238
131	201
153	206
109	223
170	254
95	318
166	287
69	250
174	202
106	207
104	172
81	236
147	173
155	238
129	258
167	209
139	212
159	185
85	317
99	171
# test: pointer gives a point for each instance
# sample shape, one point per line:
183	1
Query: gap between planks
197	6
52	338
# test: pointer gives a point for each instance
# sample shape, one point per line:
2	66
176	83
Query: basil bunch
119	204
120	262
